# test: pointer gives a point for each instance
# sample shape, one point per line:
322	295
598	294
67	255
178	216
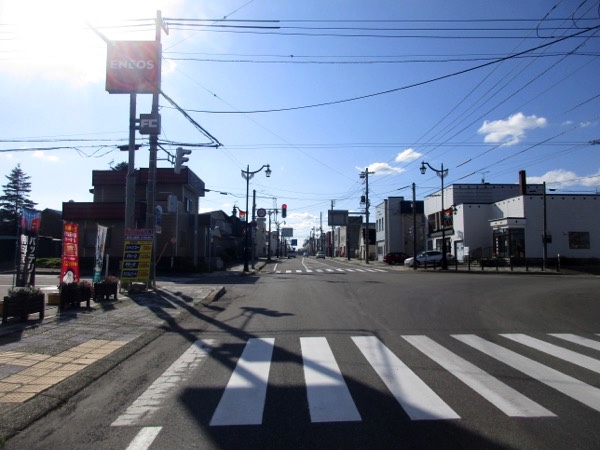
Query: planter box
71	295
103	291
22	306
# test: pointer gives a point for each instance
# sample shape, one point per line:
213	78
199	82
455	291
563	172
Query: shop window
579	240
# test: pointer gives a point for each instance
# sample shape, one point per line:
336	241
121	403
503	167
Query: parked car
291	254
430	257
395	257
321	255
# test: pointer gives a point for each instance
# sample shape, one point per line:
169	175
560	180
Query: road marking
298	270
151	399
572	387
554	350
329	270
505	398
589	343
320	270
308	271
329	399
144	439
243	400
418	400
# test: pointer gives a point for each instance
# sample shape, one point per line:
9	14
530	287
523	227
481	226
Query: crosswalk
330	399
328	270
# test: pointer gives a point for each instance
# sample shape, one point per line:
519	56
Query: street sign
261	212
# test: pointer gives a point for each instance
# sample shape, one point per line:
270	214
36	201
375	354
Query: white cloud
408	155
512	130
381	168
39	154
566	178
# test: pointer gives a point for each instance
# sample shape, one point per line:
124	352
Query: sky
322	91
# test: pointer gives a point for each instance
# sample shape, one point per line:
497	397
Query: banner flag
100	246
69	269
29	229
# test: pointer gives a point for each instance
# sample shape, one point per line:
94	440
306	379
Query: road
315	354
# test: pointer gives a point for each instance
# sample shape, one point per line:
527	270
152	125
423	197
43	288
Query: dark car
395	258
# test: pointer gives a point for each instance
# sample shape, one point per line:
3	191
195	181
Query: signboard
337	218
149	124
287	232
69	269
261	212
137	255
133	67
26	247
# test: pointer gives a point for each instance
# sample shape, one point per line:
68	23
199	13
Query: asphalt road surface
317	354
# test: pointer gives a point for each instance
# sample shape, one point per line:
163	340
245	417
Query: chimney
523	182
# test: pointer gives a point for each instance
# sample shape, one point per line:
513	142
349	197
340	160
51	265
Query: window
579	240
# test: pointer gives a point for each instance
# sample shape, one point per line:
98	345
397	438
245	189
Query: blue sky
320	90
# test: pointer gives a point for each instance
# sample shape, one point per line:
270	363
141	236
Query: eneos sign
133	67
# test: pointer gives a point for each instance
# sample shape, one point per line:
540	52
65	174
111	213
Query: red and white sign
133	67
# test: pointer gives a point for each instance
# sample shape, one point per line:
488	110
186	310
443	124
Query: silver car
429	257
321	255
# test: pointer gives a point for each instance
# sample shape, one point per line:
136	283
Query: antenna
483	176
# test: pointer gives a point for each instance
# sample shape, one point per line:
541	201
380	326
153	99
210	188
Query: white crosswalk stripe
578	390
329	270
330	399
243	400
505	398
418	400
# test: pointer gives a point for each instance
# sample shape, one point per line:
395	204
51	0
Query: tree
121	167
15	198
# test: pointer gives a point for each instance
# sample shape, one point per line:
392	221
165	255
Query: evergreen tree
14	199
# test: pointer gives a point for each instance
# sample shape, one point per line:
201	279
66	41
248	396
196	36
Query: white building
507	220
395	227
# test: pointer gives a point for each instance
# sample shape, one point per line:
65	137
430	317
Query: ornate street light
247	175
440	173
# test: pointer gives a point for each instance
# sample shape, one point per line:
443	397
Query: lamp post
440	173
247	175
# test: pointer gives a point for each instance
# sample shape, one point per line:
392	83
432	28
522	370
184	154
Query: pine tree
15	198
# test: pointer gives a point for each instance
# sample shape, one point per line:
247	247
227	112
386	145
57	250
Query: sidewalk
82	344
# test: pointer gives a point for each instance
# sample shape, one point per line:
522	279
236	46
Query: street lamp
440	173
247	175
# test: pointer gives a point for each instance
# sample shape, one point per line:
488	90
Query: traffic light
180	158
283	211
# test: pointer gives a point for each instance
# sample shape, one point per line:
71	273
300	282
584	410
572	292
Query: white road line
151	399
589	343
288	271
339	270
418	400
328	397
329	270
243	400
144	439
308	271
349	270
572	387
505	398
320	270
360	270
554	350
298	271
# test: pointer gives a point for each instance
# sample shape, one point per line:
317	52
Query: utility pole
331	247
365	175
414	208
151	187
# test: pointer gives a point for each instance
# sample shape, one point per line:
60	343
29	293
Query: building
399	226
509	221
176	200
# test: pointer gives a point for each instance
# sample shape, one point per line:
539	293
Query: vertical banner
29	229
69	269
137	255
100	246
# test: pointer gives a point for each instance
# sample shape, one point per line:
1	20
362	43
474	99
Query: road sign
261	212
